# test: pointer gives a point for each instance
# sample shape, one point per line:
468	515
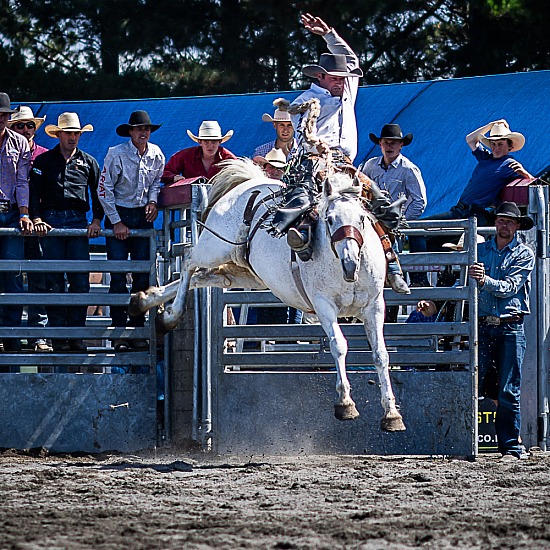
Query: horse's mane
341	184
233	172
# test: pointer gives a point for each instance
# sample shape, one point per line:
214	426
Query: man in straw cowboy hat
25	123
63	180
503	275
273	164
15	162
128	190
495	169
282	123
201	160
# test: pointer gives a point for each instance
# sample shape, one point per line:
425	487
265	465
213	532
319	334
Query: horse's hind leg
373	319
344	408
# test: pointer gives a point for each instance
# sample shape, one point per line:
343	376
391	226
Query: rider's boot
299	239
396	279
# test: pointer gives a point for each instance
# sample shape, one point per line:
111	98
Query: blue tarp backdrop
438	113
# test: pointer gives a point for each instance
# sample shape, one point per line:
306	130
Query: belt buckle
492	320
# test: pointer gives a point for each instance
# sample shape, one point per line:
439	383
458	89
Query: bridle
345	232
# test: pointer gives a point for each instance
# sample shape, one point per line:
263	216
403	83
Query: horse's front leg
373	319
344	408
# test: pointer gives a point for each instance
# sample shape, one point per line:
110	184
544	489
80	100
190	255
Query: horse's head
345	218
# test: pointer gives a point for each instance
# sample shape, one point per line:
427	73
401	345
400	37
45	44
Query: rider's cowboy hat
275	157
67	122
137	118
510	210
210	130
391	131
460	244
334	64
278	116
502	131
25	114
5	106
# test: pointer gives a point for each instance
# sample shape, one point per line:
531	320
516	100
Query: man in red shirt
201	160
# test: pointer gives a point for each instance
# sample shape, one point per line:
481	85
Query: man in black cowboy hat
503	276
337	81
337	76
128	190
397	176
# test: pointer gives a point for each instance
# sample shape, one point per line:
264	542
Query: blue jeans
11	248
37	316
503	347
138	249
66	248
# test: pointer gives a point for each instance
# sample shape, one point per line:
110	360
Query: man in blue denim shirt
503	276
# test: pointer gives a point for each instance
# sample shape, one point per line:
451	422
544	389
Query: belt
493	320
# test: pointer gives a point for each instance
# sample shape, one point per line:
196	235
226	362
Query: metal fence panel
70	413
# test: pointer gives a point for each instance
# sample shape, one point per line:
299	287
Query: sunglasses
21	125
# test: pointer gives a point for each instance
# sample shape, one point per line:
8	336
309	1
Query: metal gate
273	386
104	400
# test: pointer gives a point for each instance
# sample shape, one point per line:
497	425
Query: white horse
344	278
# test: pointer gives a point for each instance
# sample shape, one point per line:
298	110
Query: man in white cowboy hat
273	164
201	160
502	274
128	190
63	180
494	170
25	123
15	162
397	176
282	123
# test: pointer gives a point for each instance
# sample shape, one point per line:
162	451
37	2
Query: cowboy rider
336	88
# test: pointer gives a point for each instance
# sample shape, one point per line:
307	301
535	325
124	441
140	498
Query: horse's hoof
346	412
392	423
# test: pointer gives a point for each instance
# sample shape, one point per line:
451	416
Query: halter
345	232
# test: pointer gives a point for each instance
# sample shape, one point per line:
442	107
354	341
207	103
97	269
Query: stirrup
297	240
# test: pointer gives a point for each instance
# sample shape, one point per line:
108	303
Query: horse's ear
356	180
327	187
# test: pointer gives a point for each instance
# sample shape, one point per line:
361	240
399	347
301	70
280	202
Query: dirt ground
168	499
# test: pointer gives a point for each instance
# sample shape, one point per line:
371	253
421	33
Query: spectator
397	176
62	182
128	190
285	134
503	275
394	173
15	162
273	164
201	160
495	169
425	312
25	123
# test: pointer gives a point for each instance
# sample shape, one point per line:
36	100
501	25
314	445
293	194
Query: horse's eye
330	220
